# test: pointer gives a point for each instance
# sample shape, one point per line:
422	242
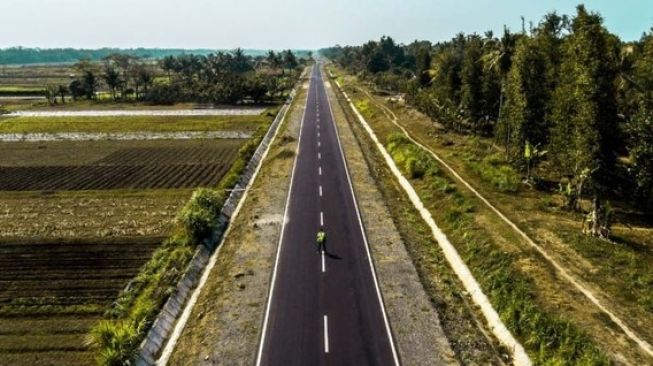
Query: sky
280	24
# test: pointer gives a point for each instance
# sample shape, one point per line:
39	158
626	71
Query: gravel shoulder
224	327
416	326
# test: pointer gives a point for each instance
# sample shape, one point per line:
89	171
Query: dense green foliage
221	78
567	92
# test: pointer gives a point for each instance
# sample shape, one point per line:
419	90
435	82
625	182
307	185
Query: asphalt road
323	309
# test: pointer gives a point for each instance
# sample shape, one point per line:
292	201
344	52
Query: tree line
565	91
26	55
218	78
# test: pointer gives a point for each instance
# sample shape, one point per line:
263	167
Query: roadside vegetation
547	336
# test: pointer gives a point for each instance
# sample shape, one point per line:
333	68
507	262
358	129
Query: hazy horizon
255	24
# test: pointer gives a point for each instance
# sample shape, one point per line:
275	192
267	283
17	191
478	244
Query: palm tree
499	58
273	60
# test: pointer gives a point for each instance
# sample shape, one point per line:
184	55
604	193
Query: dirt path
574	281
145	112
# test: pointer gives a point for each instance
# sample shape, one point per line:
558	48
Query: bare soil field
47	305
89	214
117	165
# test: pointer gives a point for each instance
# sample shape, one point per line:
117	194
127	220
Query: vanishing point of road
323	309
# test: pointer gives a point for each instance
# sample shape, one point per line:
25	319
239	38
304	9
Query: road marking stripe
318	144
318	134
321	218
323	264
320	191
319	170
326	334
319	156
283	228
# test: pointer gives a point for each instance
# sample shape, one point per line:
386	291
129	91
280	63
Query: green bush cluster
492	170
412	160
199	216
548	339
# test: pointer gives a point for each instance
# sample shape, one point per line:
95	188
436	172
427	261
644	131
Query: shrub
491	170
116	341
209	199
197	221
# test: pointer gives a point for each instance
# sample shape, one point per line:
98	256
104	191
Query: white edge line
367	246
185	315
498	328
326	334
283	228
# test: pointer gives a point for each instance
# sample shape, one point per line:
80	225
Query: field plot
131	123
165	164
89	214
51	293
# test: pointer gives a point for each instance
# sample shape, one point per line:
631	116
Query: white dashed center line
321	218
320	191
319	156
319	170
326	334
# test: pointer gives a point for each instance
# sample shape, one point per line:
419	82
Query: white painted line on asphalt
323	263
318	134
326	334
319	170
319	156
320	191
318	144
321	218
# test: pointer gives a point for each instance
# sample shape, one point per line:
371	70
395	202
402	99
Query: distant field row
131	124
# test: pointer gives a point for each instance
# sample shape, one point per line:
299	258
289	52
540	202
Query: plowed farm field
79	220
51	293
161	164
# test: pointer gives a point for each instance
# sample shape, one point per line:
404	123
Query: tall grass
548	339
